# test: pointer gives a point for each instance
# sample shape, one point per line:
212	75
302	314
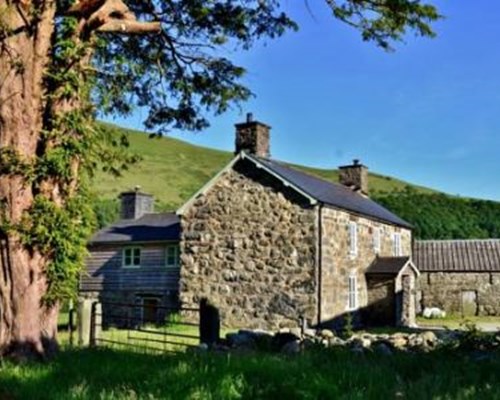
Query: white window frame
397	250
352	292
176	248
377	240
132	257
353	239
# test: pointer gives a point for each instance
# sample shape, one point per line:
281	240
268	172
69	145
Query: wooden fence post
84	321
95	323
71	325
209	323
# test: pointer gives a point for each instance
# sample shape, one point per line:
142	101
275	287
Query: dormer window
131	257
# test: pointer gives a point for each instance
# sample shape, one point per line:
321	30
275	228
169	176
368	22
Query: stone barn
461	277
268	244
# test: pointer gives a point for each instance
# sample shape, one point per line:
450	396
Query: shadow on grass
326	374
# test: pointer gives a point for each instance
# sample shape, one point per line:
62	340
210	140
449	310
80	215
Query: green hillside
172	170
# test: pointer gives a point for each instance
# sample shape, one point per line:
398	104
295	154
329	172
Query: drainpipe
320	260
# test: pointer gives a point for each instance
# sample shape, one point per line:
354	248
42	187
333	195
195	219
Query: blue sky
428	113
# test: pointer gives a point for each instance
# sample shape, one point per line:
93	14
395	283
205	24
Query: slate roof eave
150	228
462	256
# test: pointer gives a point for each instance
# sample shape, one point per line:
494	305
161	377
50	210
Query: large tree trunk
28	106
27	325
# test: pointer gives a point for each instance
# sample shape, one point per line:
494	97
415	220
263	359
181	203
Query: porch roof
389	265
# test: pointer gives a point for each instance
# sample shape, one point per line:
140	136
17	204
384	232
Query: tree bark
28	327
28	324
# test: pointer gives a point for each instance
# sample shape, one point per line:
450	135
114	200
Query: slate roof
332	194
387	265
148	228
457	255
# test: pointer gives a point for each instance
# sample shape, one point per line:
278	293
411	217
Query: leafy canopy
180	73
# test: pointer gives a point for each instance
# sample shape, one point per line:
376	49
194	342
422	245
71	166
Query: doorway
469	303
150	310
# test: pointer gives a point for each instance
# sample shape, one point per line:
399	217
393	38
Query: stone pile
291	341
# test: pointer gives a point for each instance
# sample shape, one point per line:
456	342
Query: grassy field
327	374
457	322
172	170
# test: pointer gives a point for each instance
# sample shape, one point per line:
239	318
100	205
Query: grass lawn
456	322
326	374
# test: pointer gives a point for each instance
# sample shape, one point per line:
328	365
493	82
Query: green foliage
106	211
325	374
474	339
60	234
11	163
348	327
183	73
440	216
386	21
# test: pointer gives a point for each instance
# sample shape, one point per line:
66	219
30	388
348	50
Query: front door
149	310
469	303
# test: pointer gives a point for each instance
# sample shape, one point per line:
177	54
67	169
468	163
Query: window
376	240
352	294
132	257
172	256
396	245
353	238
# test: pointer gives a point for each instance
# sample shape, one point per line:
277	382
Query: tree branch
111	16
130	27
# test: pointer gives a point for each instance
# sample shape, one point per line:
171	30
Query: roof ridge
428	241
289	166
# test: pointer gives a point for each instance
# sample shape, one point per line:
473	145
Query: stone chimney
135	204
253	137
355	176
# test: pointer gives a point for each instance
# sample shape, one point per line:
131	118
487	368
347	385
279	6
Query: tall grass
326	374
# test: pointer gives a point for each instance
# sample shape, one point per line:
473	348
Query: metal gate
151	327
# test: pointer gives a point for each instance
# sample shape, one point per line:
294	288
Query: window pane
172	255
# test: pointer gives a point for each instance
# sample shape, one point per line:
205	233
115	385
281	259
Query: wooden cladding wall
104	270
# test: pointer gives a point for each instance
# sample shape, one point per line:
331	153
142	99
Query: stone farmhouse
266	244
461	277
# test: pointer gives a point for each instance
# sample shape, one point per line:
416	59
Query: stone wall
444	290
249	246
338	263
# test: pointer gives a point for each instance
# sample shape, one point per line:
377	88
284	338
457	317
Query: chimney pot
135	204
253	137
354	176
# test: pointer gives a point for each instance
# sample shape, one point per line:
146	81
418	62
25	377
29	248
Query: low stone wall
446	290
294	341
